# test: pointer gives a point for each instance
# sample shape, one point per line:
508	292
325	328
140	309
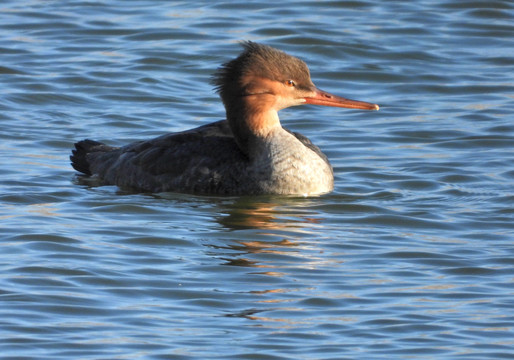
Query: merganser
249	153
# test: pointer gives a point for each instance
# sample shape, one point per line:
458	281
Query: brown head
263	80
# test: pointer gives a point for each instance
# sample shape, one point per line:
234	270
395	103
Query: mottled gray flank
206	160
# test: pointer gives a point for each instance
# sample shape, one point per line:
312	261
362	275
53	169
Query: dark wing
197	160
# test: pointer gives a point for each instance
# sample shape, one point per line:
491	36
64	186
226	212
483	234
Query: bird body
249	153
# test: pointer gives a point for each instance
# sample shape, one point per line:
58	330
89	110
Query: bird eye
290	83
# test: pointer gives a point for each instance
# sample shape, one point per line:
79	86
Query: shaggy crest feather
263	60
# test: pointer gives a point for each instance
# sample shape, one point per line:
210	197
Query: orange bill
326	99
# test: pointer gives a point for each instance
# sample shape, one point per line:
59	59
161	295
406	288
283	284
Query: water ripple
410	256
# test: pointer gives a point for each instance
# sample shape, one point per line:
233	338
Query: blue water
411	256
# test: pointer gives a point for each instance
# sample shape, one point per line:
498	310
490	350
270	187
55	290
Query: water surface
411	256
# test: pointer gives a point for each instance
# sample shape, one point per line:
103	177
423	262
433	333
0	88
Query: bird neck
252	119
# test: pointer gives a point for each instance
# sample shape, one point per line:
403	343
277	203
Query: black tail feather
79	159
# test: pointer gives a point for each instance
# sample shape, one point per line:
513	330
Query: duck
248	153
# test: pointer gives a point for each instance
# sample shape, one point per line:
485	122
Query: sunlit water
411	257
